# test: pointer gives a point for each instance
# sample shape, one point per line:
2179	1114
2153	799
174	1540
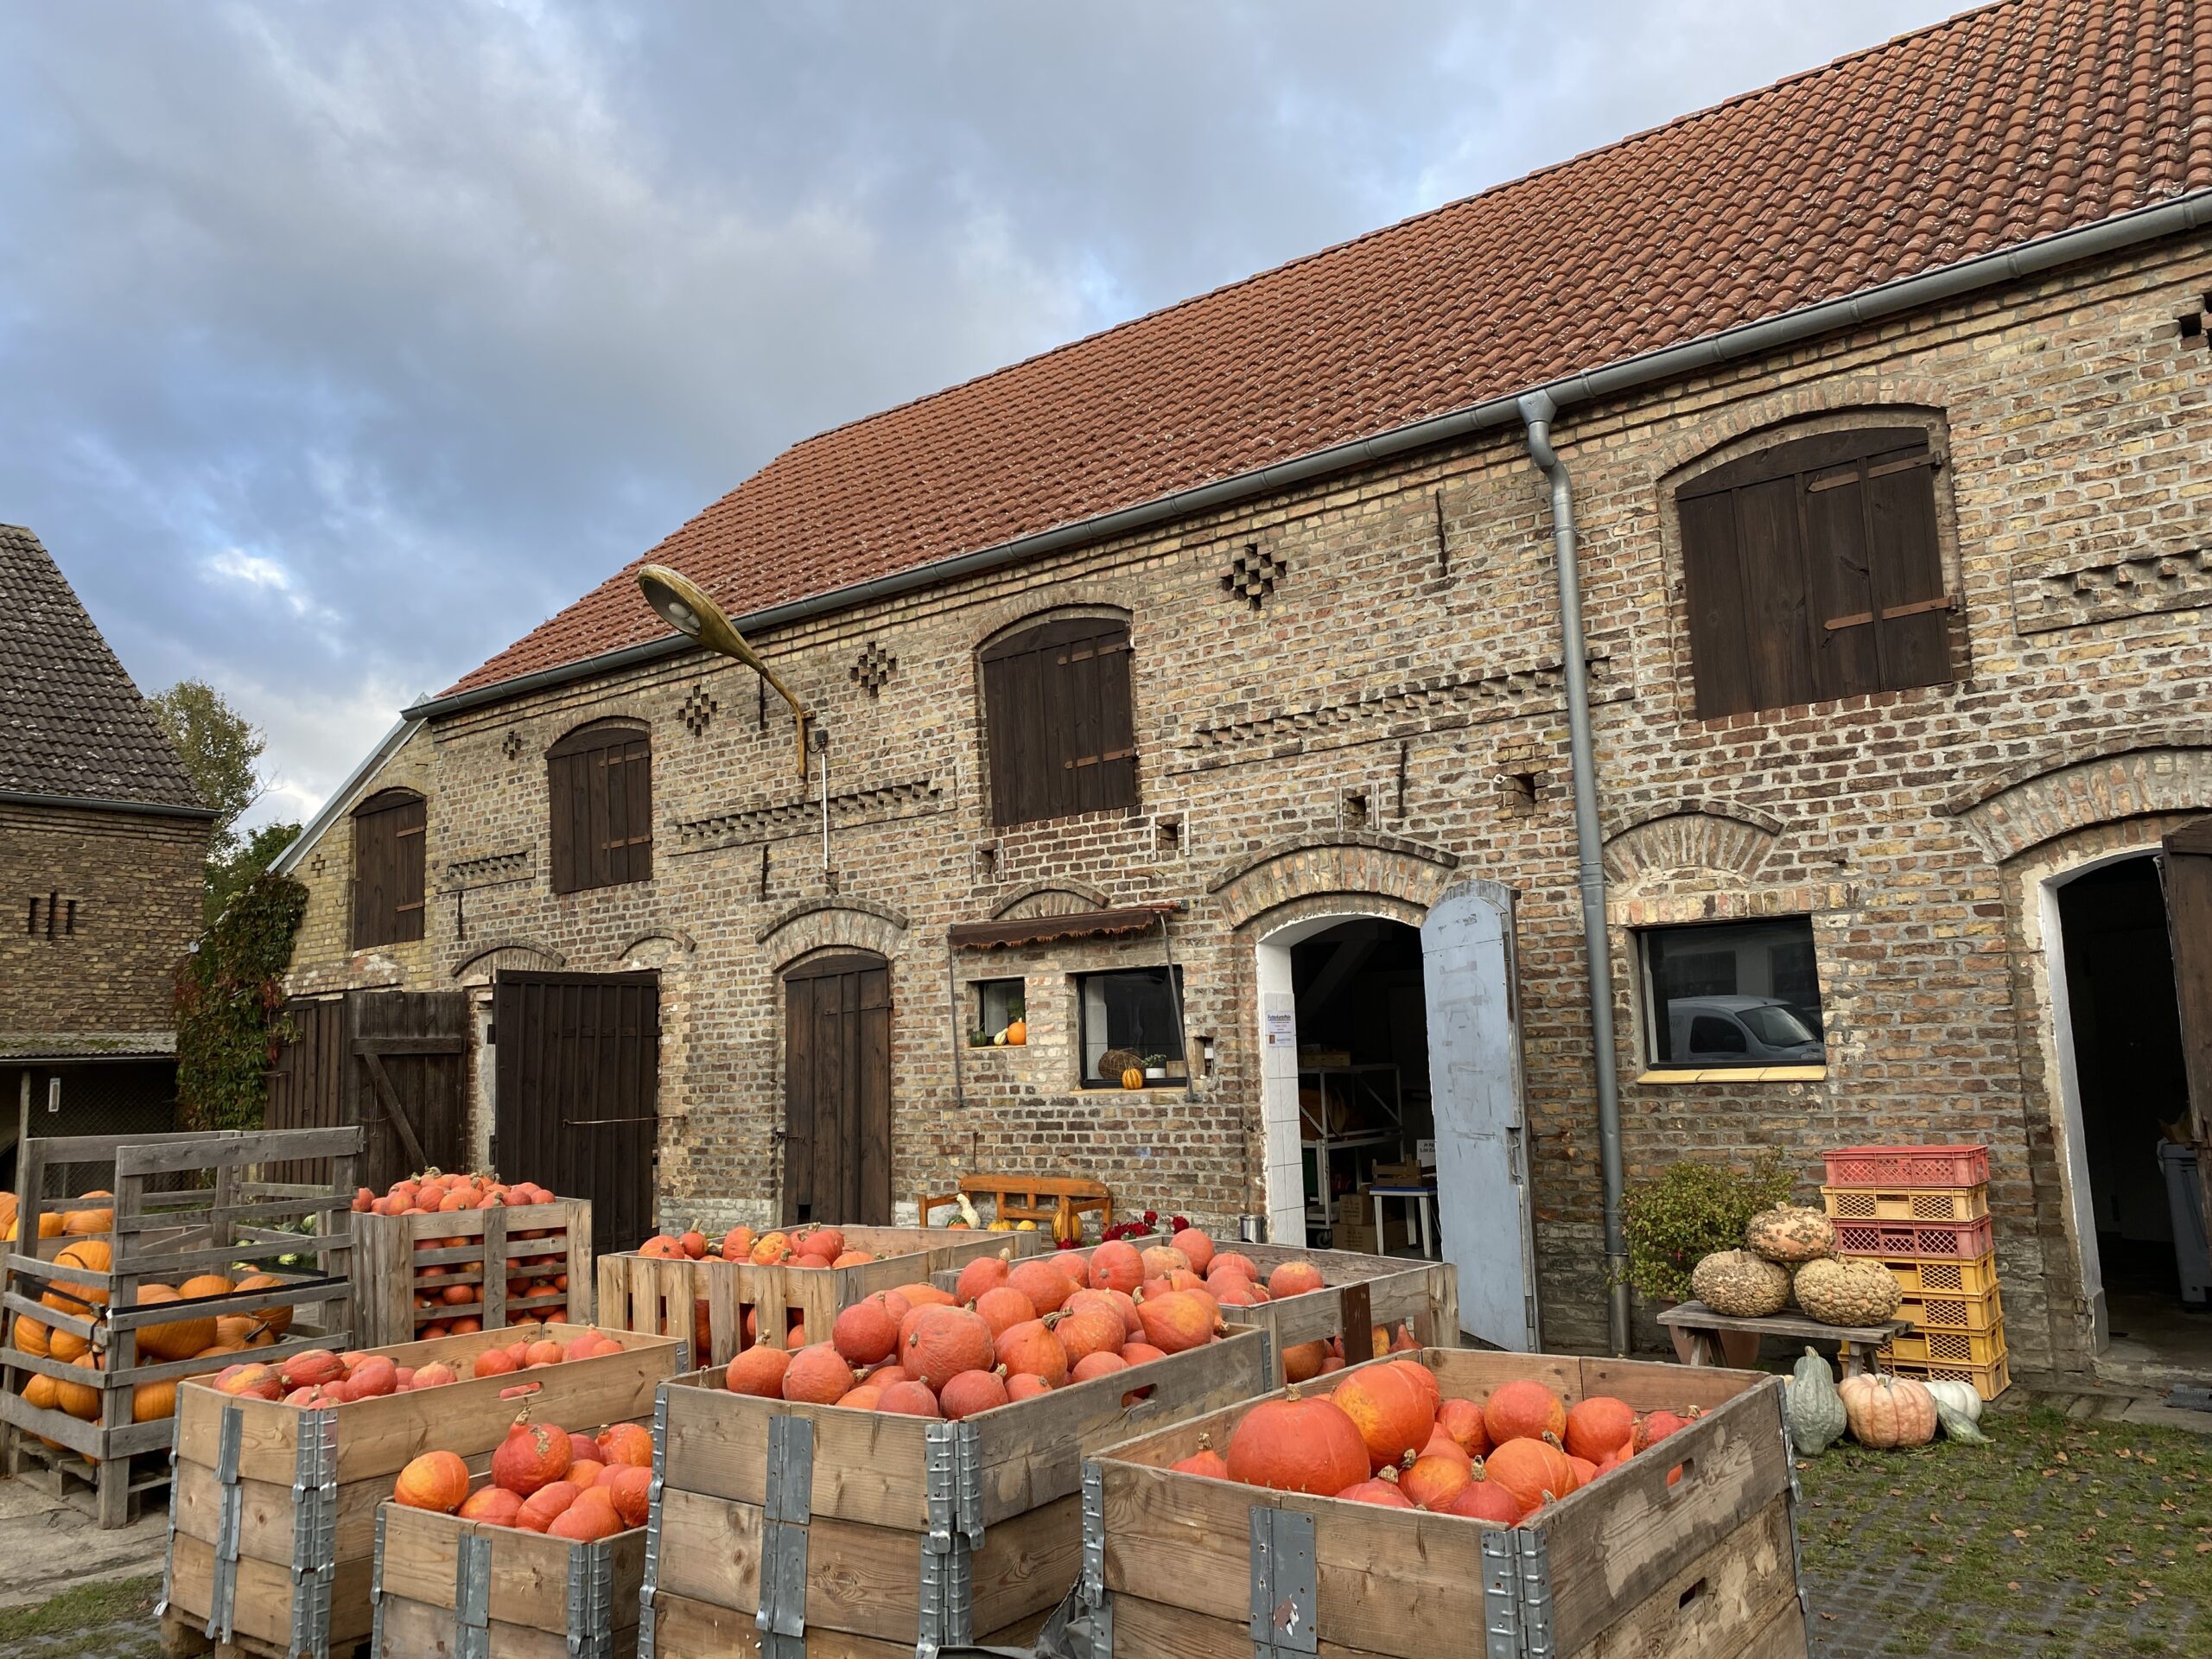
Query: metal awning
1042	930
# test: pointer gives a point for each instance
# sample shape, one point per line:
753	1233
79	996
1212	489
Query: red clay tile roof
2002	125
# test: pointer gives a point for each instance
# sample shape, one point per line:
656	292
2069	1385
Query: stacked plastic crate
1924	1213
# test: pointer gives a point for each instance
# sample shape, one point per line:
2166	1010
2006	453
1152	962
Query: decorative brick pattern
1252	575
698	710
872	667
2100	791
1691	840
2071	594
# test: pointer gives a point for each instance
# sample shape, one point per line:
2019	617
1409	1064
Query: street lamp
685	607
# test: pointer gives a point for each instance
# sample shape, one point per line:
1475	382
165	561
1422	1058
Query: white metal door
1474	1069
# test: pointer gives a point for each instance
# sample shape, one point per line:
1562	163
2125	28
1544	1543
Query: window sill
1736	1074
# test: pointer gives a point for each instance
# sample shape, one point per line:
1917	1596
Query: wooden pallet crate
445	1585
1360	1291
272	1512
400	1258
642	1293
863	1528
227	1220
1181	1566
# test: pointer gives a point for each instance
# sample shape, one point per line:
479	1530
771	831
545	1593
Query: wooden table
1421	1198
1703	1326
1058	1199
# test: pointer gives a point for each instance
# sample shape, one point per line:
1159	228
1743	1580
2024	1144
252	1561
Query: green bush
1692	1210
228	1024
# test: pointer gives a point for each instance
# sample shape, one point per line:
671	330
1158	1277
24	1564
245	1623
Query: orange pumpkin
1486	1500
1133	1079
1115	1265
1597	1426
1393	1415
757	1370
80	1400
532	1456
33	1337
937	1343
1434	1481
1294	1279
74	1296
1017	1034
1463	1420
85	1223
1533	1472
818	1374
43	1391
437	1481
1295	1445
176	1339
1523	1410
984	1272
152	1402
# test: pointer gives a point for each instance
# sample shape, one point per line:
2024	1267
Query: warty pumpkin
1790	1233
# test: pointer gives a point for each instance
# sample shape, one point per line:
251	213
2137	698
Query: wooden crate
443	1585
641	1293
227	1220
869	1529
395	1254
272	1512
1705	1568
1368	1290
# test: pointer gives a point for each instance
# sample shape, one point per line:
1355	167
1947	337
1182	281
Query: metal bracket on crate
1516	1594
472	1599
591	1601
1093	1586
376	1594
948	1599
1535	1575
1797	1497
168	1556
941	1487
1284	1584
222	1594
315	1529
781	1618
652	1523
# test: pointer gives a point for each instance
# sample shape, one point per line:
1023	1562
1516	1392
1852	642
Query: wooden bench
1703	1327
1058	1200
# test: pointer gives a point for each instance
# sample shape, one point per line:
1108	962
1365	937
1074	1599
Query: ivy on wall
227	996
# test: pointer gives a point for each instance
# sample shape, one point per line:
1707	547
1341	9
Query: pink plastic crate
1907	1165
1942	1240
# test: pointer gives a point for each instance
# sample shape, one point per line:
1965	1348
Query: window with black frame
1733	994
1128	1019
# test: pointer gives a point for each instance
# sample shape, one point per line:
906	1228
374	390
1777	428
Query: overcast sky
340	344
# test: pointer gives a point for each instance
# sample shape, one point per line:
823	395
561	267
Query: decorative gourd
1812	1409
1886	1411
1017	1033
1957	1425
1741	1284
1962	1397
1845	1292
1790	1233
1133	1077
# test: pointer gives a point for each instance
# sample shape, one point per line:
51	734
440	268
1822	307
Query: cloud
343	343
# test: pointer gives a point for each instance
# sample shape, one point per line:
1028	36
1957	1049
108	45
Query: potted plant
1155	1068
1686	1213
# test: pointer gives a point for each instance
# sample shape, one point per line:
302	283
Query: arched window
388	837
1815	570
1058	726
600	780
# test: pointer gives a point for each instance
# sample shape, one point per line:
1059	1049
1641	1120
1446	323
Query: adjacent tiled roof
71	721
2000	126
82	1045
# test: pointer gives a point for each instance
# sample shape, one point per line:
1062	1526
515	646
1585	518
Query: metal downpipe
1537	410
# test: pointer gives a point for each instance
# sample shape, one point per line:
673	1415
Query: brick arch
2077	788
1085	597
819	923
658	947
1341	906
521	955
1692	836
1357	863
1715	431
1058	897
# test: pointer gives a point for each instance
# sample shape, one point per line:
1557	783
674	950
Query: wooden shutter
599	784
388	852
1060	730
2186	871
1813	571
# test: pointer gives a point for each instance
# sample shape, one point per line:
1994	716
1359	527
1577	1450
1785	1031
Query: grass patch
86	1607
2059	1524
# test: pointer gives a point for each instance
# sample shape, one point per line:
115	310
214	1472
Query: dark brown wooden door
2188	873
394	1062
577	1075
837	1091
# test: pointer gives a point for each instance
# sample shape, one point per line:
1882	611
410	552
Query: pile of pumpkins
1007	1331
800	1246
560	1482
433	1192
194	1337
1876	1410
1788	1254
316	1378
1388	1434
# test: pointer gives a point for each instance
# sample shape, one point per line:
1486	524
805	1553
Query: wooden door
577	1079
837	1091
2188	874
394	1062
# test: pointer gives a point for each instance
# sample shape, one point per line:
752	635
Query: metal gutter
98	803
2120	232
333	809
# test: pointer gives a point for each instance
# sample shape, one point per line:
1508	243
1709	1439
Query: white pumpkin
1962	1397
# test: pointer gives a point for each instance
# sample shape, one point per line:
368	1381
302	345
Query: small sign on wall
1282	1028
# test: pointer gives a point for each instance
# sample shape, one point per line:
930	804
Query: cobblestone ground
2063	1540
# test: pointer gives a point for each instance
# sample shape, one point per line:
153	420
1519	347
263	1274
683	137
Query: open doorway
2133	1092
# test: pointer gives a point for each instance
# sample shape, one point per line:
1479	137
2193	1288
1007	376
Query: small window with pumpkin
1000	1016
1130	1028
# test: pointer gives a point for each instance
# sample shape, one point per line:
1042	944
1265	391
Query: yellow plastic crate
1954	1312
1906	1203
1969	1275
1989	1381
1946	1347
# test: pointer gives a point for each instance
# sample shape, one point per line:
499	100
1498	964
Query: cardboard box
1407	1173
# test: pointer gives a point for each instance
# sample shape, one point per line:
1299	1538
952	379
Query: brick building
102	839
1231	638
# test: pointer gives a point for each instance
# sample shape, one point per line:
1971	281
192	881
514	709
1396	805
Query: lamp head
686	607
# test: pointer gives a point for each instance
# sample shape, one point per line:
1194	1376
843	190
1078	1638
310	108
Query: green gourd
1812	1408
1957	1425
